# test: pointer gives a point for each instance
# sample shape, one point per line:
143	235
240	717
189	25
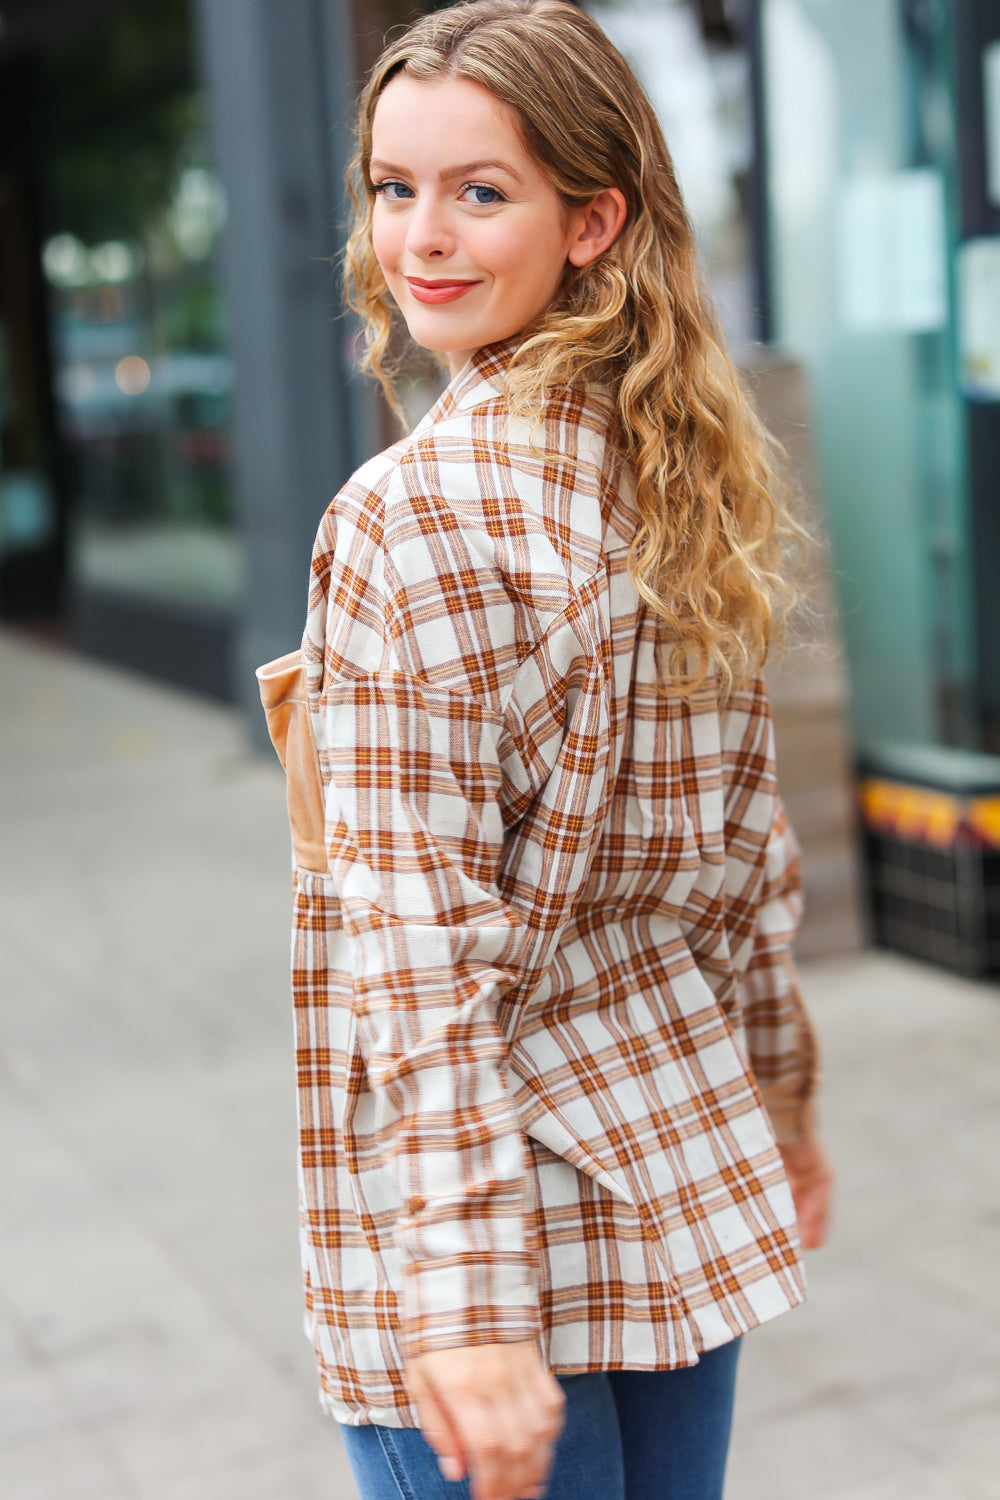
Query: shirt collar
480	379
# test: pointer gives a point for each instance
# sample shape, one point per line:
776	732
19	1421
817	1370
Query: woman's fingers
435	1426
510	1447
509	1423
812	1218
496	1410
811	1180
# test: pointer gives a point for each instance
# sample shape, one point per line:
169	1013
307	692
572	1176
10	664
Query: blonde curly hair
711	551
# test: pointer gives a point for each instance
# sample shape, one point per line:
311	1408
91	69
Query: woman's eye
392	190
479	192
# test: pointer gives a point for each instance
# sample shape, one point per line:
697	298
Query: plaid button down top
542	921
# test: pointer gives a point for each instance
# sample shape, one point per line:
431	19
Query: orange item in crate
983	818
914	812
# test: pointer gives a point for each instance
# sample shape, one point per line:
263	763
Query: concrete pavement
149	1294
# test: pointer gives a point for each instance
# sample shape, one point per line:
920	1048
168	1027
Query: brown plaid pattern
546	965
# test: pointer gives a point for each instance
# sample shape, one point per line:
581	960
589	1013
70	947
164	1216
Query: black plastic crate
931	840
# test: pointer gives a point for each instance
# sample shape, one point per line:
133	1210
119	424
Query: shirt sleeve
416	659
780	1036
764	907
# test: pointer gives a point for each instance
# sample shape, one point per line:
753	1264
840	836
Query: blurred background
179	399
179	395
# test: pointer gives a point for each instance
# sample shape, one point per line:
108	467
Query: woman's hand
811	1180
491	1411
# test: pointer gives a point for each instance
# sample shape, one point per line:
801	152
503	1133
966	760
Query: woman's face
471	236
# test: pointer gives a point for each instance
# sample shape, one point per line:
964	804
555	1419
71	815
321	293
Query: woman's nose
428	232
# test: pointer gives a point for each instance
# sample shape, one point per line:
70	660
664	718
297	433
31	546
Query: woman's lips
438	291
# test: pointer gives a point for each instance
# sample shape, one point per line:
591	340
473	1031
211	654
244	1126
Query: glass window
142	373
696	72
863	163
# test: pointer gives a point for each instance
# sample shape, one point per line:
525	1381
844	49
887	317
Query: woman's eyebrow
466	169
448	174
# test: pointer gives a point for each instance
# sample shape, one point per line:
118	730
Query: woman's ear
597	225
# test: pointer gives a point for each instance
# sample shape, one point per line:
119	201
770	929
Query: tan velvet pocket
286	707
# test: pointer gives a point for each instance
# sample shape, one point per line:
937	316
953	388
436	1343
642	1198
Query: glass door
861	143
143	377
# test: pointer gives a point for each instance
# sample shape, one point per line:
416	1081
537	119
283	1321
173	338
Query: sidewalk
150	1344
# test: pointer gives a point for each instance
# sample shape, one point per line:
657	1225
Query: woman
555	1076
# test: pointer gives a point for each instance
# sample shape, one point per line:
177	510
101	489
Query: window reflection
696	72
143	376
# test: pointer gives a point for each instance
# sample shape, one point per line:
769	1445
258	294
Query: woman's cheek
383	242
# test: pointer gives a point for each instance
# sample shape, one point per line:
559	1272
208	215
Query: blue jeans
629	1435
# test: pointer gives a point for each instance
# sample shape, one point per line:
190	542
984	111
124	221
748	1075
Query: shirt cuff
456	1303
794	1121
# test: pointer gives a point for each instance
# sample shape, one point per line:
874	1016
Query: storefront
171	194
